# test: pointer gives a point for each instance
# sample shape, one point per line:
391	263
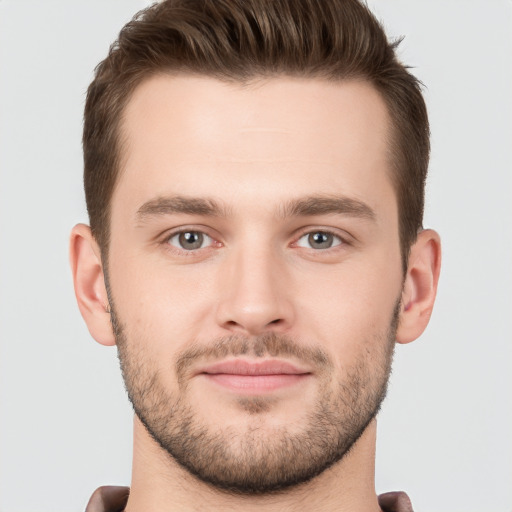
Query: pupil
320	240
191	240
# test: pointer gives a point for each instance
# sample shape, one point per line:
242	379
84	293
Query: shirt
113	499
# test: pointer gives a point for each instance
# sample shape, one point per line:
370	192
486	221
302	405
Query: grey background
65	424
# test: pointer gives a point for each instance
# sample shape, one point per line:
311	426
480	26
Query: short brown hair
240	40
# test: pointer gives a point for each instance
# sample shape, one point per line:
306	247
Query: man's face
255	272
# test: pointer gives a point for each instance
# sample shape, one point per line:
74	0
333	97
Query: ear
420	286
89	282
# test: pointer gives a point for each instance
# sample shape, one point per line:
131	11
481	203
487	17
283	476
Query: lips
249	377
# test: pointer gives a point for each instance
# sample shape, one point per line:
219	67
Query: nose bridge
253	297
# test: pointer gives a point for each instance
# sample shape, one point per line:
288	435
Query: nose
254	294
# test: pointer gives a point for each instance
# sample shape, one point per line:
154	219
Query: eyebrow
181	204
302	207
322	205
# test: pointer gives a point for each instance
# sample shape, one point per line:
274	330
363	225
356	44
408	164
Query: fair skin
262	154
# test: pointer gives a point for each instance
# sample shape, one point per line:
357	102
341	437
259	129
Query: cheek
161	302
349	309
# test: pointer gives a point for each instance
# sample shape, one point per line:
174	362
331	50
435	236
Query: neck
159	483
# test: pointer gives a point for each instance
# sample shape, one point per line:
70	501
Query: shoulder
109	498
396	501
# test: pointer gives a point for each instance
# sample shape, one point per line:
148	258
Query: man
254	176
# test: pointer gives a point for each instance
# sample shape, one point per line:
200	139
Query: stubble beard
259	459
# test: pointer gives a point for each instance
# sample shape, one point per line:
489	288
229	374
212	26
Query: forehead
281	136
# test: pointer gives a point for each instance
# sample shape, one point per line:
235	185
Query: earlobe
89	283
420	286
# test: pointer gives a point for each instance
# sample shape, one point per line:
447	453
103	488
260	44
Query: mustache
268	344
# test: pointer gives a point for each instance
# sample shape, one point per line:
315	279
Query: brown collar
111	498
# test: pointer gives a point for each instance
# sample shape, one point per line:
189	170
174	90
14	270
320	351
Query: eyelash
342	241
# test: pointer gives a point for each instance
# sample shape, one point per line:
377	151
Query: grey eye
190	240
319	240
